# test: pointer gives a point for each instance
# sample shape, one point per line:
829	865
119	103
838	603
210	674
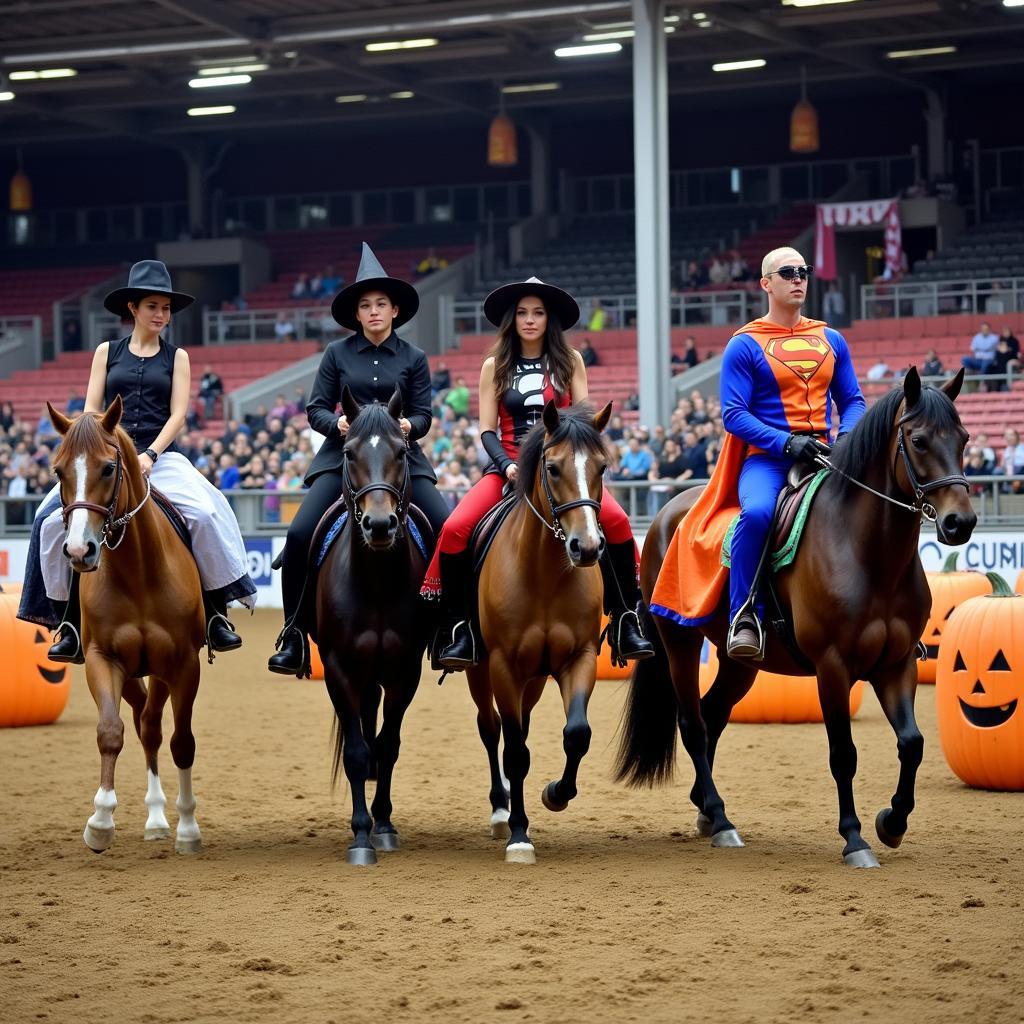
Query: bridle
110	524
557	510
352	496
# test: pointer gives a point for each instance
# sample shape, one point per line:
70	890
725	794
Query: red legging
481	498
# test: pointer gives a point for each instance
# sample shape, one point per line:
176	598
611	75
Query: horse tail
647	745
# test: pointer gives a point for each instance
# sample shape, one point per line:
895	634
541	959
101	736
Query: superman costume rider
779	377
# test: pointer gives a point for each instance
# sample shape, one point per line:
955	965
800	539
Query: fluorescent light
703	24
590	50
400	44
699	16
739	65
598	37
532	87
1013	3
5	96
102	52
355	97
814	3
207	111
672	19
403	94
27	76
211	83
234	69
929	51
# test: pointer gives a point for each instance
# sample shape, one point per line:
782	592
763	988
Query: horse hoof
886	837
193	845
547	798
361	856
703	825
861	859
499	823
728	838
98	839
157	833
385	842
520	853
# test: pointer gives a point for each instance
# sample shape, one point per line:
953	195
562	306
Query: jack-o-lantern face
948	588
985	707
50	675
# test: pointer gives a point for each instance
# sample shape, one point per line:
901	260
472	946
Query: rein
557	510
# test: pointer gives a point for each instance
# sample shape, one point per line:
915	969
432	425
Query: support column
540	170
198	192
650	159
935	118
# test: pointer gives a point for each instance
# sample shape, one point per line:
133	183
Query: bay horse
142	615
858	601
371	627
540	594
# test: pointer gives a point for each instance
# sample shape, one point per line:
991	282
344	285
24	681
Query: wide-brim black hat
371	276
558	302
147	277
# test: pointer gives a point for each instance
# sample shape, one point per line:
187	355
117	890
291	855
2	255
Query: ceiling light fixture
531	87
928	51
355	97
5	96
739	65
207	111
400	44
814	3
699	16
1013	3
402	94
590	50
211	83
234	69
600	37
101	53
28	76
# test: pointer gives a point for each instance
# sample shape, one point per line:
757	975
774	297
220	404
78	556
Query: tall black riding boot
623	603
220	633
292	657
68	645
457	597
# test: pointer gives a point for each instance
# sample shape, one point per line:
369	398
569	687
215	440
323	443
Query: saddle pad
336	527
174	517
785	554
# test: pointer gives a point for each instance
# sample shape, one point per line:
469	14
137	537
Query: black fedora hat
556	300
147	277
371	276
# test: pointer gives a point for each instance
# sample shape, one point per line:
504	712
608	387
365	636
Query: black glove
801	448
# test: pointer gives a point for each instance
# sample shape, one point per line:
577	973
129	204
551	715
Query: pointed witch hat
371	276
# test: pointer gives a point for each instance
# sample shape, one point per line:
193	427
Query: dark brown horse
540	611
857	598
142	614
371	627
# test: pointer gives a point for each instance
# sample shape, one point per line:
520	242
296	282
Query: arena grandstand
254	145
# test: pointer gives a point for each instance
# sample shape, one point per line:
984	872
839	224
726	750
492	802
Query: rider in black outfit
372	362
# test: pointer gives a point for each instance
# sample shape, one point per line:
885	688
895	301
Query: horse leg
396	703
148	706
509	698
106	681
489	726
682	646
576	681
370	708
183	690
896	688
834	694
346	697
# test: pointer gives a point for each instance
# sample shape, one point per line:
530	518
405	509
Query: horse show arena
627	916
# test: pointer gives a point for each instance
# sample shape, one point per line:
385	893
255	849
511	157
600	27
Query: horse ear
912	387
349	406
61	423
395	404
551	419
952	386
602	418
112	416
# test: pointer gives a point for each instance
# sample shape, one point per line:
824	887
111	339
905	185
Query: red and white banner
848	215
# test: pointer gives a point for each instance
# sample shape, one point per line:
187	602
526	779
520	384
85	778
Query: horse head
90	466
376	470
928	453
567	477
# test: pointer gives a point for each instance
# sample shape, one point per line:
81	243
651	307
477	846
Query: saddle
487	529
174	517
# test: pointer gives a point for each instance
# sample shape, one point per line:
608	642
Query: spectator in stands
72	336
739	269
330	282
211	387
284	329
431	262
671	467
229	477
315	287
598	317
255	421
834	306
718	272
457	398
298	402
1003	362
636	462
691	357
1007	335
300	289
932	364
76	403
983	350
589	353
440	380
1012	461
696	276
7	417
974	465
878	371
452	478
279	410
45	430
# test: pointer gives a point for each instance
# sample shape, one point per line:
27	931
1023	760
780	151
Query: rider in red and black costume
530	364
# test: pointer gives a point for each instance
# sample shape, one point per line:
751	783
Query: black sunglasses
792	273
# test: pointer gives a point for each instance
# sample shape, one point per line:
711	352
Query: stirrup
746	612
457	664
305	669
635	615
78	658
209	627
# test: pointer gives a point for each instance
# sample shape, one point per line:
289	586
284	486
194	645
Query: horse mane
869	439
372	419
575	424
85	436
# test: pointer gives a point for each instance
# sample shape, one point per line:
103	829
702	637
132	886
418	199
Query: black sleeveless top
144	384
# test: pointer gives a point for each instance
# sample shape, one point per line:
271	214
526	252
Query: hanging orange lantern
803	122
21	193
502	145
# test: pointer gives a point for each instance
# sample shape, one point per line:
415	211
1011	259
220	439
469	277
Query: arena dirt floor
627	916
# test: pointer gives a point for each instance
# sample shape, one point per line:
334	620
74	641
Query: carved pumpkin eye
958	664
999	663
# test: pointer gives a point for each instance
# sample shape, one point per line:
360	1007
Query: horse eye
109	469
552	471
919	442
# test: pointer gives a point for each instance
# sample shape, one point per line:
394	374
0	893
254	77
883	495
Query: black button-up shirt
372	373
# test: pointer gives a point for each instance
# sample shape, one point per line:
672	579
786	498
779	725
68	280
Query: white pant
216	540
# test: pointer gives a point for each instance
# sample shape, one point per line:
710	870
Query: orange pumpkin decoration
978	689
605	668
33	689
774	698
949	588
316	664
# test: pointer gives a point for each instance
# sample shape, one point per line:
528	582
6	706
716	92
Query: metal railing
253	325
984	297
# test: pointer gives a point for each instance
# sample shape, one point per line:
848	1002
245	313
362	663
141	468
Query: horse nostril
392	523
601	545
574	547
90	549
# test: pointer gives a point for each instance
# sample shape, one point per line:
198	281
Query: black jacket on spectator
372	374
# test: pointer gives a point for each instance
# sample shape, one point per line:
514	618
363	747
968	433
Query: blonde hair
769	263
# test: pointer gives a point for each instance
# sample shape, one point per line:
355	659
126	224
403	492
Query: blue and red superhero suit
778	381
